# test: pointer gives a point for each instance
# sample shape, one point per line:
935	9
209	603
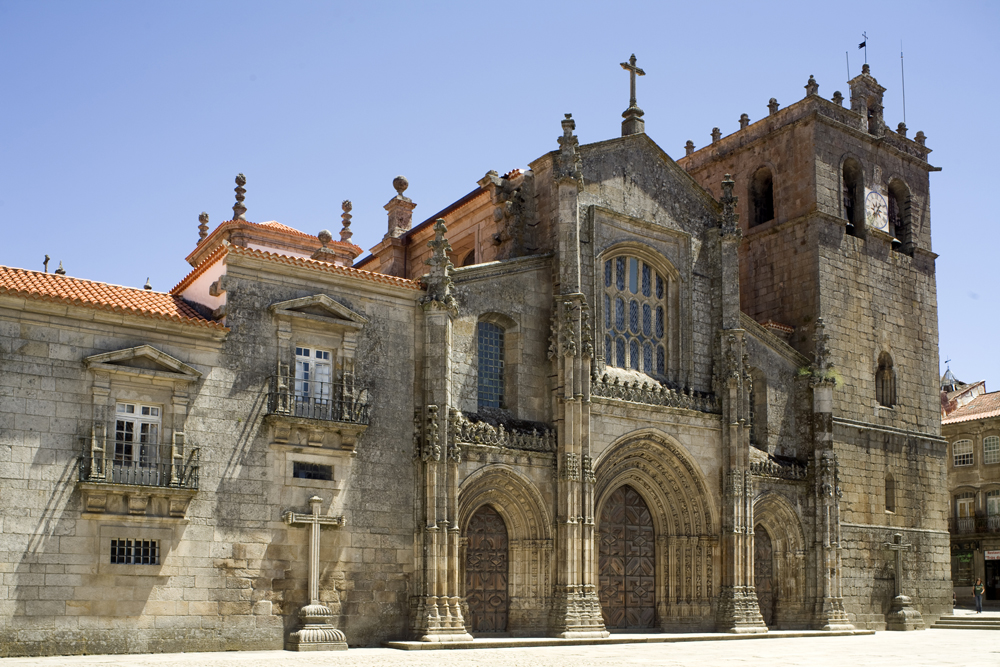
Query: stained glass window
490	347
634	315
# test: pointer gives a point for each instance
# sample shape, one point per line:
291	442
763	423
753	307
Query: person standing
978	591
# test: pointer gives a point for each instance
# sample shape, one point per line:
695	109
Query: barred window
885	381
962	453
634	313
135	552
303	470
490	345
991	449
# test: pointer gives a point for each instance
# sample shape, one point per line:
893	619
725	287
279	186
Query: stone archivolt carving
653	393
481	433
512	495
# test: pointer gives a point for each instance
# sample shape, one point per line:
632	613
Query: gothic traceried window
634	316
490	342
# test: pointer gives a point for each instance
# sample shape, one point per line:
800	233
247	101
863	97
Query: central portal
626	564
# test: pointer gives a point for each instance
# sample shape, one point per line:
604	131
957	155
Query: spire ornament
730	225
571	166
239	210
438	280
346	233
202	226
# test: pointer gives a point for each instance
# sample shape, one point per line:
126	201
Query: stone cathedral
609	391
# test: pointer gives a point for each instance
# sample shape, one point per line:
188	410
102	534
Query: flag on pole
862	44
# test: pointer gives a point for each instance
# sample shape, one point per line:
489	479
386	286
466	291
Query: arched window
853	193
761	197
469	259
961	451
899	217
635	316
890	493
489	343
885	381
991	449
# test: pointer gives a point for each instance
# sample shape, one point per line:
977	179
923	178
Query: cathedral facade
612	391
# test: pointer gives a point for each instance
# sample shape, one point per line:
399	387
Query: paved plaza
965	648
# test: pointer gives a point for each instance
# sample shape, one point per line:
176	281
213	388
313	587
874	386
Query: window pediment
143	360
322	309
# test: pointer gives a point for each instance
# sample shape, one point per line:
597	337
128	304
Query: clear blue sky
121	121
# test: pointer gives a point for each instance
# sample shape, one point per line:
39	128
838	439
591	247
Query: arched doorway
626	561
763	573
486	571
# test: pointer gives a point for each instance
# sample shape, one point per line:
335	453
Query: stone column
738	610
576	609
829	606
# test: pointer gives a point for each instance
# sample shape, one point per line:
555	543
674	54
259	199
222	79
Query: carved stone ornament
570	165
822	370
730	224
571	467
567	333
587	335
239	210
438	280
553	336
432	436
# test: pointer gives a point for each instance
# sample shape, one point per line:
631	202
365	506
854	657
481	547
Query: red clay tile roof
983	406
325	266
100	296
198	270
271	225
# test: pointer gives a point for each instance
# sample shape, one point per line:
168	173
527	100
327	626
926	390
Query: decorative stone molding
481	433
776	470
653	394
438	281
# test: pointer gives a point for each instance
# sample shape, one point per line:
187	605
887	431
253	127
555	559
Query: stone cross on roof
633	123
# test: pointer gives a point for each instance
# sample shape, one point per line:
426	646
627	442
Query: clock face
876	212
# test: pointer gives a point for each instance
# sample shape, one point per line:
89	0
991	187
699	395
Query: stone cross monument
633	123
903	615
316	633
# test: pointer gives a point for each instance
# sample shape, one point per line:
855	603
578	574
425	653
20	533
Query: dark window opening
135	552
469	259
899	218
885	381
853	198
303	470
762	197
890	493
490	348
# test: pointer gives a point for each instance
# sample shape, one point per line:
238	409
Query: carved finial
716	134
921	138
901	129
202	226
324	237
400	209
147	286
438	280
812	88
239	210
865	69
400	184
633	123
838	98
568	142
61	271
346	233
730	218
46	264
688	147
772	106
744	121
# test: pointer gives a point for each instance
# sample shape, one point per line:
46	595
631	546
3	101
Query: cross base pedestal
903	615
316	633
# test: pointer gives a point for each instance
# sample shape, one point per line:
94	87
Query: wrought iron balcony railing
308	399
111	465
974	524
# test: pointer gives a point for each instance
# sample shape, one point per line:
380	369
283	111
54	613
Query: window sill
314	434
133	500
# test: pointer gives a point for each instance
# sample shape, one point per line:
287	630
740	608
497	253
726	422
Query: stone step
967	623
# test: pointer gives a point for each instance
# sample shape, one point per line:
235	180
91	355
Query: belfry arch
684	523
776	516
517	501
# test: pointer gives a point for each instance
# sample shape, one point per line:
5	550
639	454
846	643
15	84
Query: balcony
319	414
974	525
131	478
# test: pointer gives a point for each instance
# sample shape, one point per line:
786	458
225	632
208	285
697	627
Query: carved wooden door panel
763	573
626	561
486	571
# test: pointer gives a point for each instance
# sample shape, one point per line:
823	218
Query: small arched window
761	197
489	343
635	316
899	217
890	493
469	259
852	193
885	381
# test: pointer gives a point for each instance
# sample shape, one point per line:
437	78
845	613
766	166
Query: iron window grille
135	552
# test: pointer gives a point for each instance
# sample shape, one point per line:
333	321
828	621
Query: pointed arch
774	514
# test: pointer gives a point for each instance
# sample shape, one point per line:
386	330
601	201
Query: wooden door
763	573
486	571
627	561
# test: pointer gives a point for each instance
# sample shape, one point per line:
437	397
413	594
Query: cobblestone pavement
965	648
